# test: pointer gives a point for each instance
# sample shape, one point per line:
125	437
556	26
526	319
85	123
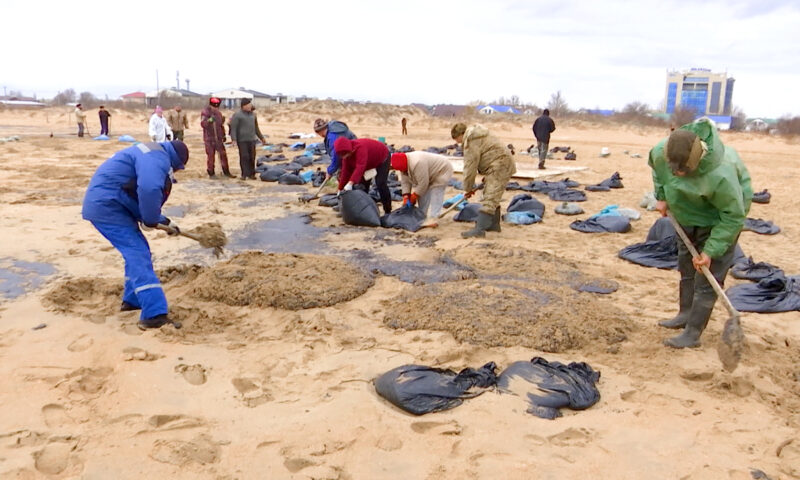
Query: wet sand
265	391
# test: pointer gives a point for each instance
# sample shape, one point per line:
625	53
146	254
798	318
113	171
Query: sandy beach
271	377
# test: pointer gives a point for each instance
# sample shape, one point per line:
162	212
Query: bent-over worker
129	188
330	131
484	154
423	178
707	188
362	160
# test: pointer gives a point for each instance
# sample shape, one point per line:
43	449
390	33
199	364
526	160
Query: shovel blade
731	344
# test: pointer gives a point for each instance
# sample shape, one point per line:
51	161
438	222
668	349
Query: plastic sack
418	389
101	137
772	294
329	200
553	385
359	209
468	213
271	175
607	224
522	218
525	203
568	208
762	197
126	138
567	195
406	218
757	225
750	270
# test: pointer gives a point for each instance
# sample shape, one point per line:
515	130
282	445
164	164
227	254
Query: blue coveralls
336	129
128	188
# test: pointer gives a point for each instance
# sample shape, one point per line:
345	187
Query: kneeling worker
423	177
484	154
707	188
128	188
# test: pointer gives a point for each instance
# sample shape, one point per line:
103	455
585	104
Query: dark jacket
366	154
336	129
132	185
209	134
103	114
244	127
543	127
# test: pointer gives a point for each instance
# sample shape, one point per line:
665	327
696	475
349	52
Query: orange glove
414	198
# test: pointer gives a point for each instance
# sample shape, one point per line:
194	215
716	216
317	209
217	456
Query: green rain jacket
716	195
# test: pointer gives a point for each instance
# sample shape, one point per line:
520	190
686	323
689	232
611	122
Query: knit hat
214	101
400	162
159	109
343	145
181	150
246	101
684	151
320	124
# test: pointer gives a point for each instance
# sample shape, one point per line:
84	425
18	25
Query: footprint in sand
55	416
572	437
194	374
251	391
200	450
137	354
440	428
174	422
55	458
80	344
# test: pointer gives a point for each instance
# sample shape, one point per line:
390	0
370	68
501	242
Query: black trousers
382	184
247	158
104	127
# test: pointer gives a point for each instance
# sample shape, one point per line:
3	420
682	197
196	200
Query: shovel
217	249
451	207
305	198
731	342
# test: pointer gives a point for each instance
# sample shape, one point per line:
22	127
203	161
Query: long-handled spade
455	204
729	348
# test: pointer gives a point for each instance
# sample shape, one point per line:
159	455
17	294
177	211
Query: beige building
699	89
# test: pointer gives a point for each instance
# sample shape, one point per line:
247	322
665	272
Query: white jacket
425	170
159	128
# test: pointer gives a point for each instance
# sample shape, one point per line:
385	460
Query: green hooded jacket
716	195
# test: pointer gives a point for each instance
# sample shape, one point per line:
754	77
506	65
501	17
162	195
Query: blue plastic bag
126	138
101	137
306	176
522	217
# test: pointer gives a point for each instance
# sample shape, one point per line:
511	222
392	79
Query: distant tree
788	125
557	104
514	100
500	101
87	99
738	119
682	116
636	109
65	97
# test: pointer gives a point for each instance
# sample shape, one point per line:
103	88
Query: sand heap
86	296
280	280
521	298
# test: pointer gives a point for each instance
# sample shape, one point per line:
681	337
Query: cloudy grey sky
597	53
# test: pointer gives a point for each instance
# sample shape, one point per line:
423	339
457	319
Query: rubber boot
127	307
485	221
686	294
495	227
211	174
228	174
702	305
541	165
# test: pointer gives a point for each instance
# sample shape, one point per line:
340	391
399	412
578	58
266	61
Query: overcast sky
597	53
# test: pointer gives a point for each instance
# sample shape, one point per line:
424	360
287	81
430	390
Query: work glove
407	200
348	187
210	120
170	227
414	198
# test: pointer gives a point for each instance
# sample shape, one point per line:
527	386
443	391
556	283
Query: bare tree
789	125
65	97
87	99
738	119
682	116
557	104
636	109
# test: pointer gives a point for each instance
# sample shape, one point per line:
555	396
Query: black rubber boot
686	294
211	174
484	222
702	305
228	174
495	227
127	307
155	322
541	165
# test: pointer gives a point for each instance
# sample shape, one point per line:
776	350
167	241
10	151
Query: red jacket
366	154
213	132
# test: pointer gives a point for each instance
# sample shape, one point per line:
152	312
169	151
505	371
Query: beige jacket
484	154
177	120
80	115
425	170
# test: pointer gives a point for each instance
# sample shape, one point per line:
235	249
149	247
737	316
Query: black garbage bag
419	389
469	213
772	294
406	218
457	184
543	186
762	197
329	200
567	195
525	203
604	224
659	250
323	159
553	385
570	156
291	167
318	178
750	270
262	168
290	179
358	208
614	181
271	175
513	186
597	188
757	225
303	160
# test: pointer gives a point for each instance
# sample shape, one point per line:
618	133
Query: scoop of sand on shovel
731	343
209	235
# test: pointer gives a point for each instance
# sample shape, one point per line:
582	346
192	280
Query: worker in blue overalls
127	189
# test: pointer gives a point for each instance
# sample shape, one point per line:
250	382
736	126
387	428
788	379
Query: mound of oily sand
281	280
86	296
210	235
508	313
